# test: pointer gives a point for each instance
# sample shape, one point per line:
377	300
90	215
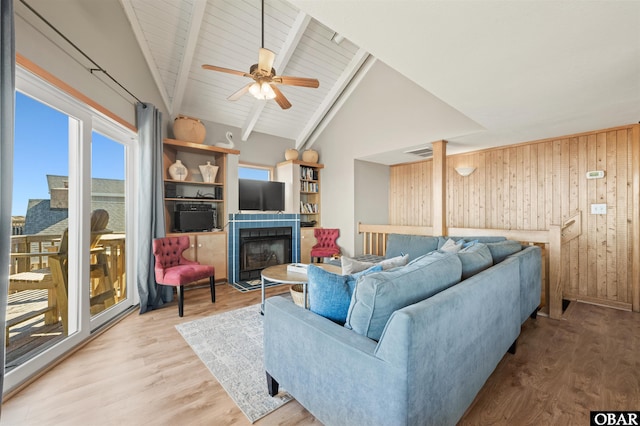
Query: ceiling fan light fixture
265	78
262	91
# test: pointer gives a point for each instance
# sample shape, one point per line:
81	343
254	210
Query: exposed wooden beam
282	59
367	64
197	15
146	51
439	188
338	88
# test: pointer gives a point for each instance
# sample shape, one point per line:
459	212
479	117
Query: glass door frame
83	120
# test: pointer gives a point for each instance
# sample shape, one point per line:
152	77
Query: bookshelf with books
302	190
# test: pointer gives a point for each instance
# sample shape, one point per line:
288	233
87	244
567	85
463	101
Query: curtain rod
91	70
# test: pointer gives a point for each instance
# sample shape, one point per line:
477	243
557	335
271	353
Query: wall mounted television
260	195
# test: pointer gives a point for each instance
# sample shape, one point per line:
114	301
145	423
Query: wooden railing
29	252
33	268
551	241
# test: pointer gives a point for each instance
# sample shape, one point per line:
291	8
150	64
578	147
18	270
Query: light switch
598	209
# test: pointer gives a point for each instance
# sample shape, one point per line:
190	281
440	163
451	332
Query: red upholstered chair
326	246
174	270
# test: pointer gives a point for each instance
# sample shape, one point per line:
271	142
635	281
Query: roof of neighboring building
40	217
107	194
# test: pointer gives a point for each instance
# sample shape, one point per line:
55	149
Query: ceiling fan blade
265	60
280	98
237	95
297	81
227	70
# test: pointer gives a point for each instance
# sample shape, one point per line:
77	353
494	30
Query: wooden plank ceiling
178	36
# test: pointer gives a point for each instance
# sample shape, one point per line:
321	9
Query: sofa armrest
328	368
530	260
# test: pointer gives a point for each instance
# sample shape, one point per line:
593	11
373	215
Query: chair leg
212	284
180	290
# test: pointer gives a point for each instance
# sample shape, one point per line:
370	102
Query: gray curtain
7	106
151	205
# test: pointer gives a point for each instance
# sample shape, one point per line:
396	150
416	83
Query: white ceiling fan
265	81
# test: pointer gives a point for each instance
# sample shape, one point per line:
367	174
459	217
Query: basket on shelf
296	291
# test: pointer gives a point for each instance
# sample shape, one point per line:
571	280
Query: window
252	171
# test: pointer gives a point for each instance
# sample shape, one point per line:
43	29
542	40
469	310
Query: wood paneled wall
531	186
410	194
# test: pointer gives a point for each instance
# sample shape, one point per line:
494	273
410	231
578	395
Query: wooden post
439	188
635	253
555	279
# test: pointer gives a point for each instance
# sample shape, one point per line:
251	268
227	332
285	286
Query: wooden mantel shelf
198	147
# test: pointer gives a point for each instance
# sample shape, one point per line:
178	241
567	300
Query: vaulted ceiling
511	71
177	37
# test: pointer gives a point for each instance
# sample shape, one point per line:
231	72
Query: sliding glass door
71	213
107	240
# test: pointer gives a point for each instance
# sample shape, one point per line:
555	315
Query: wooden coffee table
278	274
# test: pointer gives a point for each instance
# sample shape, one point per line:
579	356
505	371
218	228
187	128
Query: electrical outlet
598	209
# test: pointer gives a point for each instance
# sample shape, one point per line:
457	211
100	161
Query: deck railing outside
33	302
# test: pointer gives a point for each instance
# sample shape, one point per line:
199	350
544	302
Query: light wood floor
142	372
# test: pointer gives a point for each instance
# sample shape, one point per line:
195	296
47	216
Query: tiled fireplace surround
239	221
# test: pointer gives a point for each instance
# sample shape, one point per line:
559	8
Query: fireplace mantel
239	221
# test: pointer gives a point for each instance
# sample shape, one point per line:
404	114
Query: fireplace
243	221
261	248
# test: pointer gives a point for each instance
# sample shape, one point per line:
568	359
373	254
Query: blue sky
41	149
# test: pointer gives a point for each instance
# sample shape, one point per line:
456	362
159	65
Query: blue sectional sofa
419	341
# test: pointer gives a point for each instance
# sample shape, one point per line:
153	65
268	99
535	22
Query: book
300	268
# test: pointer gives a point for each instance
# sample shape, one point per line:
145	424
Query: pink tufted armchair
173	269
326	246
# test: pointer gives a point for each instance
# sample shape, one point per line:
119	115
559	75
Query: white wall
102	31
371	197
358	191
260	149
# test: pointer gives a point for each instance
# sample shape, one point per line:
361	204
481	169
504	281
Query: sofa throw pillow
475	258
451	246
351	266
330	294
500	250
394	262
380	294
466	244
413	245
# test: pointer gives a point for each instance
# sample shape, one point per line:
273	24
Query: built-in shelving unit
193	189
302	192
210	246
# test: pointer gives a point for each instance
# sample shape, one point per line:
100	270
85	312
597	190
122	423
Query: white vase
178	171
209	172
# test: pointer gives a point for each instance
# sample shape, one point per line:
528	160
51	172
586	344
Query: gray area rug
230	345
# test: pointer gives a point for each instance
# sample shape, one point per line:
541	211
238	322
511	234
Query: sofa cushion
451	246
379	294
500	250
330	294
475	258
350	266
413	245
